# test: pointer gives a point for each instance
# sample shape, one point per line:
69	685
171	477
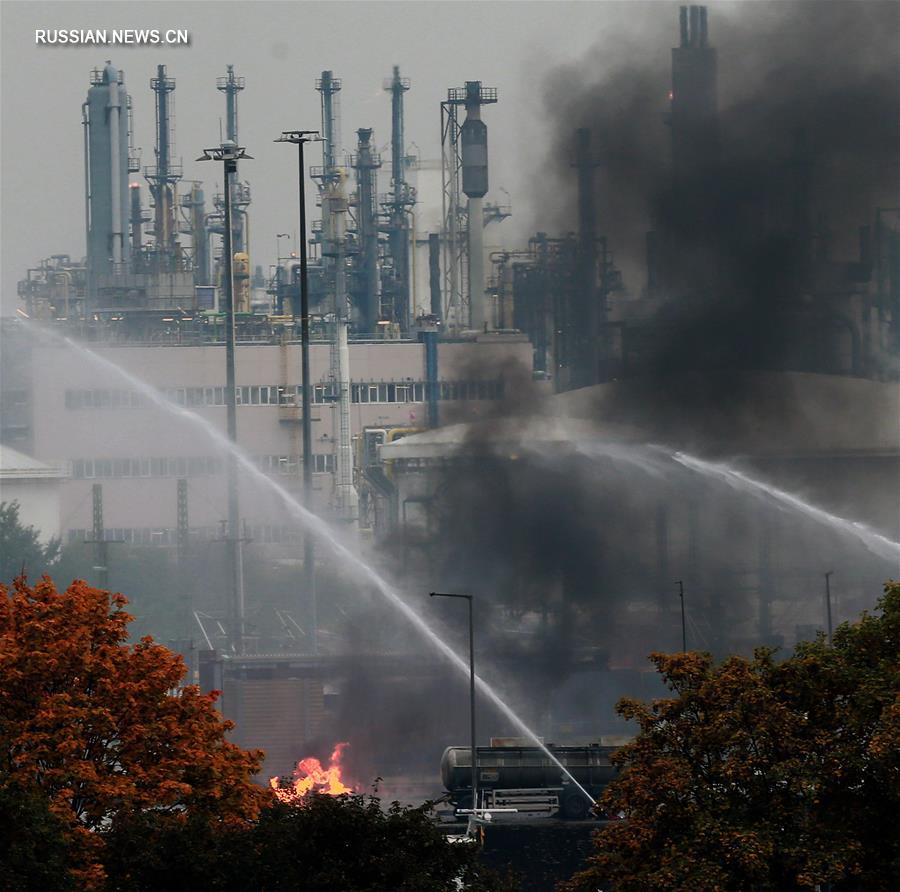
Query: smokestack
694	40
683	18
703	26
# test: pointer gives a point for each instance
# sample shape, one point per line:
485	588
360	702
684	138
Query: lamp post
229	154
299	138
471	690
828	576
680	585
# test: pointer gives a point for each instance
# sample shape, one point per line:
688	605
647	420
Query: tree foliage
325	843
21	550
100	728
763	775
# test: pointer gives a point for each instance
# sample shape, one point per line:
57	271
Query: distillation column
106	168
366	164
231	85
474	151
401	199
334	205
334	229
163	177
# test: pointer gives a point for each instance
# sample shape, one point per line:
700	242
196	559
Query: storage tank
528	767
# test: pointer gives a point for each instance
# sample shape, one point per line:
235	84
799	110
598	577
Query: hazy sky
280	48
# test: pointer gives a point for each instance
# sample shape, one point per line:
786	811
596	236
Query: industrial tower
401	199
105	119
366	162
464	157
231	85
331	179
693	118
163	177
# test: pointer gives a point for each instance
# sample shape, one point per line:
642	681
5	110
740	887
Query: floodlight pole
229	154
300	138
471	691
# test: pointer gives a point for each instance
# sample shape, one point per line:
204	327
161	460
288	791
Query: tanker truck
523	777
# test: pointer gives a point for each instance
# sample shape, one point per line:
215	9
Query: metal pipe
85	123
476	264
115	167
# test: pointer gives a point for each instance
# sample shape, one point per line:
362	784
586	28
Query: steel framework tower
164	176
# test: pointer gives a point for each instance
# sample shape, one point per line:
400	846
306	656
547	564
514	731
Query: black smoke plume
754	239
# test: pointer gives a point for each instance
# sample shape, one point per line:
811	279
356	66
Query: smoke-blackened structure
738	183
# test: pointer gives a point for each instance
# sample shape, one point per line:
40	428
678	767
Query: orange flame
311	777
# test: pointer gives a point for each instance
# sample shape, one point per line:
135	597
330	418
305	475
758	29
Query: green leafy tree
323	844
33	848
763	775
21	550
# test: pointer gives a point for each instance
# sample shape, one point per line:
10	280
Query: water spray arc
322	532
876	543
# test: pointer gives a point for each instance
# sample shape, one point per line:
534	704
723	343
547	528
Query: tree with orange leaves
762	774
102	729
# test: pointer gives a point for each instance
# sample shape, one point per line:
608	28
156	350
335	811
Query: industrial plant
664	420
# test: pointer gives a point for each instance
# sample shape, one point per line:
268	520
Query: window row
262	533
190	466
289	395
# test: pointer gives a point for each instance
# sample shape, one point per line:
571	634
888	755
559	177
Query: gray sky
280	48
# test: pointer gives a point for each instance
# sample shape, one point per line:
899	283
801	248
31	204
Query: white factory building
97	428
36	487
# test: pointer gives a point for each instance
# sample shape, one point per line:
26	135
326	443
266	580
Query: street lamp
680	585
278	237
471	690
229	154
828	576
299	138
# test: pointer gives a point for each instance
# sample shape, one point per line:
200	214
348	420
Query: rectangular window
78	468
419	392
